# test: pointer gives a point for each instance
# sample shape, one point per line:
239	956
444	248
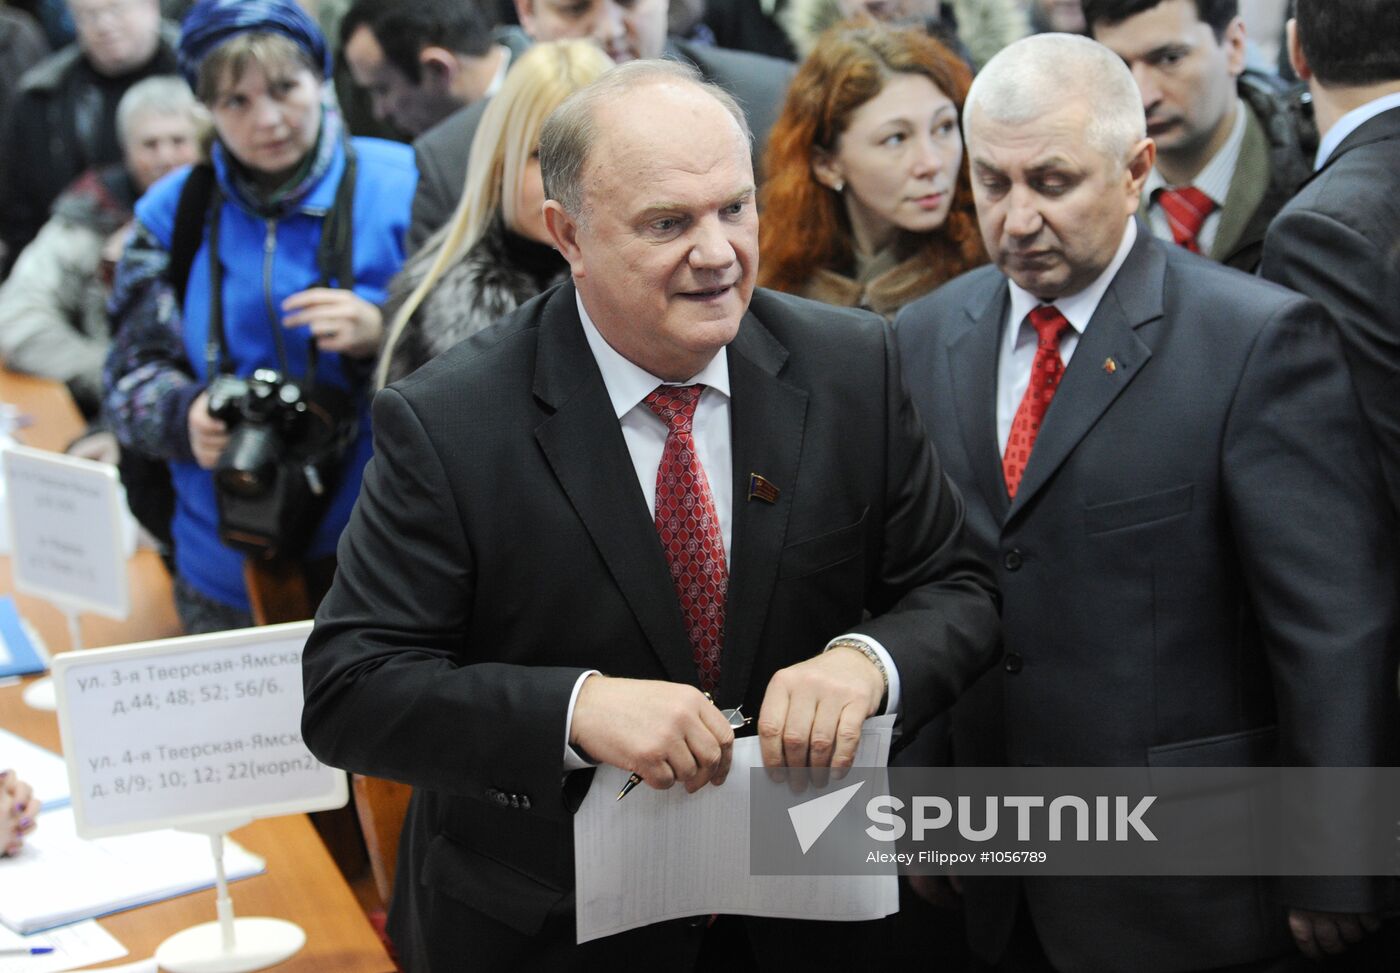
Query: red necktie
1186	211
689	529
1046	371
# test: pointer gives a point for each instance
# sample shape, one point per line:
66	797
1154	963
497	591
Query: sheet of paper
81	944
41	769
140	966
40	891
659	855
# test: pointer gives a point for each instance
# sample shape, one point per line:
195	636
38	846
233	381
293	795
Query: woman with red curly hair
866	200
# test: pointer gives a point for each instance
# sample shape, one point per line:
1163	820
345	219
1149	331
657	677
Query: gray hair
164	94
572	128
1038	74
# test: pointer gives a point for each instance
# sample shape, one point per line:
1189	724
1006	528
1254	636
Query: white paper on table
41	769
81	944
661	855
58	877
140	966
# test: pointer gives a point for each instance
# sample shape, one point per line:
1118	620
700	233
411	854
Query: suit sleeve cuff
891	671
573	760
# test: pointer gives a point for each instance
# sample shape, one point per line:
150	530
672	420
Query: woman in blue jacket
297	230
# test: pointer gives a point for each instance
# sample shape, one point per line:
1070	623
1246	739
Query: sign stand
229	945
201	733
65	520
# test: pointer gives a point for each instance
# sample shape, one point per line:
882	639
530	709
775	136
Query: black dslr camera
276	476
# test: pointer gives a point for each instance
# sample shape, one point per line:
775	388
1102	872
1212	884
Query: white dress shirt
1019	338
1350	122
499	78
645	433
1214	180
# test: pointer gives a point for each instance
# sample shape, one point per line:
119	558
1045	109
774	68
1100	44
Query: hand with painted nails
19	810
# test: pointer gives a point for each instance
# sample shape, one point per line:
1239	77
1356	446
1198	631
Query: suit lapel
583	444
1107	359
973	361
767	422
1247	188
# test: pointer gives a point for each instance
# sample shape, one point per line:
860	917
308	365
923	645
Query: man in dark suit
1165	461
546	504
1229	151
626	31
421	60
1338	241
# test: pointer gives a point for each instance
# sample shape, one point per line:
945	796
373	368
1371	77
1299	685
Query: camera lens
248	466
243	483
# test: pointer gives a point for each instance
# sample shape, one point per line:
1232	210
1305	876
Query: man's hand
664	731
208	436
1323	934
813	711
341	321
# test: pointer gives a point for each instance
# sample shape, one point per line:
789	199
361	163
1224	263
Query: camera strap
335	262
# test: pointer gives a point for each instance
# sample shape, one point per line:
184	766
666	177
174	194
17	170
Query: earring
839	186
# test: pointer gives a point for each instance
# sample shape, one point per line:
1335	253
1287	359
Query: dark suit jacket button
515	800
1012	560
1012	662
524	802
499	797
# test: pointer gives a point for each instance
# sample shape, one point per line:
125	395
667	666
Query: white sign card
66	530
190	732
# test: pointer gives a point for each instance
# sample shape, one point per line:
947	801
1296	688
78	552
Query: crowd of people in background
232	215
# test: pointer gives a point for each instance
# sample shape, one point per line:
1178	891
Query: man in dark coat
638	485
1234	137
63	119
1165	461
627	31
1338	241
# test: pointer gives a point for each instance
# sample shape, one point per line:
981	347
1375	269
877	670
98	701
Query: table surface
302	883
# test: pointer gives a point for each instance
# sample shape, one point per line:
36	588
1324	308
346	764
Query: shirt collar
1215	178
1350	122
627	383
1078	308
494	87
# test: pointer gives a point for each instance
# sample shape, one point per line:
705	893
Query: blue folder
18	656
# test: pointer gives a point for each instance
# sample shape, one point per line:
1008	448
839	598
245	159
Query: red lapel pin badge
761	489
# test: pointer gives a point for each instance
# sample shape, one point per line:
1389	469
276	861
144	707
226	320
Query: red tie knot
675	404
1186	210
1050	325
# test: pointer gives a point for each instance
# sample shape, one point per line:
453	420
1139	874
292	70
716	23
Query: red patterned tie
1046	371
689	529
1186	211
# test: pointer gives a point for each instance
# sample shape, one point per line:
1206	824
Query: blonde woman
495	253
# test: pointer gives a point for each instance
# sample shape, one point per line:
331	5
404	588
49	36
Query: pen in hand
736	720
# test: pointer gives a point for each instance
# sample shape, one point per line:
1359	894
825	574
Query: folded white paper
659	855
81	944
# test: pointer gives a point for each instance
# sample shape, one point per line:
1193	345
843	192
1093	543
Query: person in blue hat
246	312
